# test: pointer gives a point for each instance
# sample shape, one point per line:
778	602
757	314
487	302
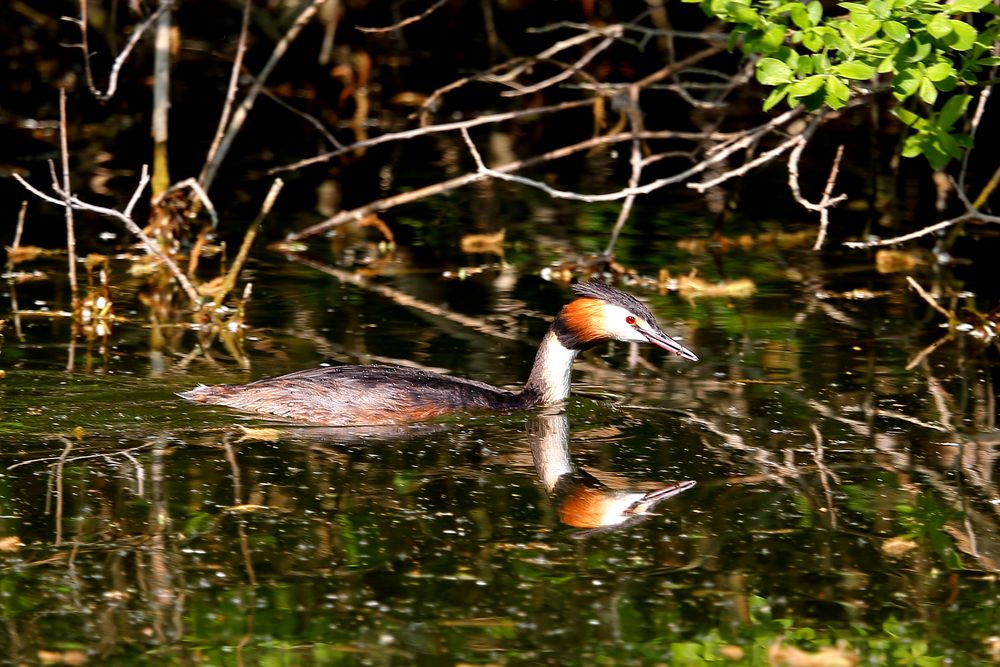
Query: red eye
630	320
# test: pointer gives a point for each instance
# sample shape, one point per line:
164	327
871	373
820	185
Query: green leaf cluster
923	49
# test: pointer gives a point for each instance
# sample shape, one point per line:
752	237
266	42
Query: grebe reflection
581	500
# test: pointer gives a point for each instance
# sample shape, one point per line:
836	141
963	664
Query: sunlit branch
588	33
407	21
466	179
498	117
746	139
914	235
977	116
750	165
950	316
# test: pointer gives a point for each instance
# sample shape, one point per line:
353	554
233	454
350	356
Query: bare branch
240	115
613	33
241	257
312	120
826	202
433	129
497	117
234	80
71	200
407	21
466	179
977	116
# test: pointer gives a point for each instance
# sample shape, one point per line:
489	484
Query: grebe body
375	395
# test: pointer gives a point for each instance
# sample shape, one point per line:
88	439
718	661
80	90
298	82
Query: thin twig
919	357
88	71
81	457
988	189
748	166
977	116
747	138
569	71
312	120
122	57
432	129
21	214
588	32
636	162
827	202
407	21
202	196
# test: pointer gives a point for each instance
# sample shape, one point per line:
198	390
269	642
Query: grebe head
602	313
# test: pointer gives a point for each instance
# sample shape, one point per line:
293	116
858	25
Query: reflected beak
660	339
655	496
668	491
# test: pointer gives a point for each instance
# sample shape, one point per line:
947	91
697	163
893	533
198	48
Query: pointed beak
660	339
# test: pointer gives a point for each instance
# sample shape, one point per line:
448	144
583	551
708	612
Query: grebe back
373	395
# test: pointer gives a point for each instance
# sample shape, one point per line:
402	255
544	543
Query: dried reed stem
70	232
161	100
248	239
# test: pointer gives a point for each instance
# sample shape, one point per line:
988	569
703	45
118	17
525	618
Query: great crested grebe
373	395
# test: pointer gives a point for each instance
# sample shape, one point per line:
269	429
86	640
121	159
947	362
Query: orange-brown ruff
375	395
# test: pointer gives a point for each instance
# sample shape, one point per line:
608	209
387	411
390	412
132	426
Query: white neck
550	376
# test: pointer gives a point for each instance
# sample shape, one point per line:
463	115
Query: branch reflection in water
582	500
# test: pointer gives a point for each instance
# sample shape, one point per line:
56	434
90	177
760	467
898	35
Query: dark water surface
840	496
